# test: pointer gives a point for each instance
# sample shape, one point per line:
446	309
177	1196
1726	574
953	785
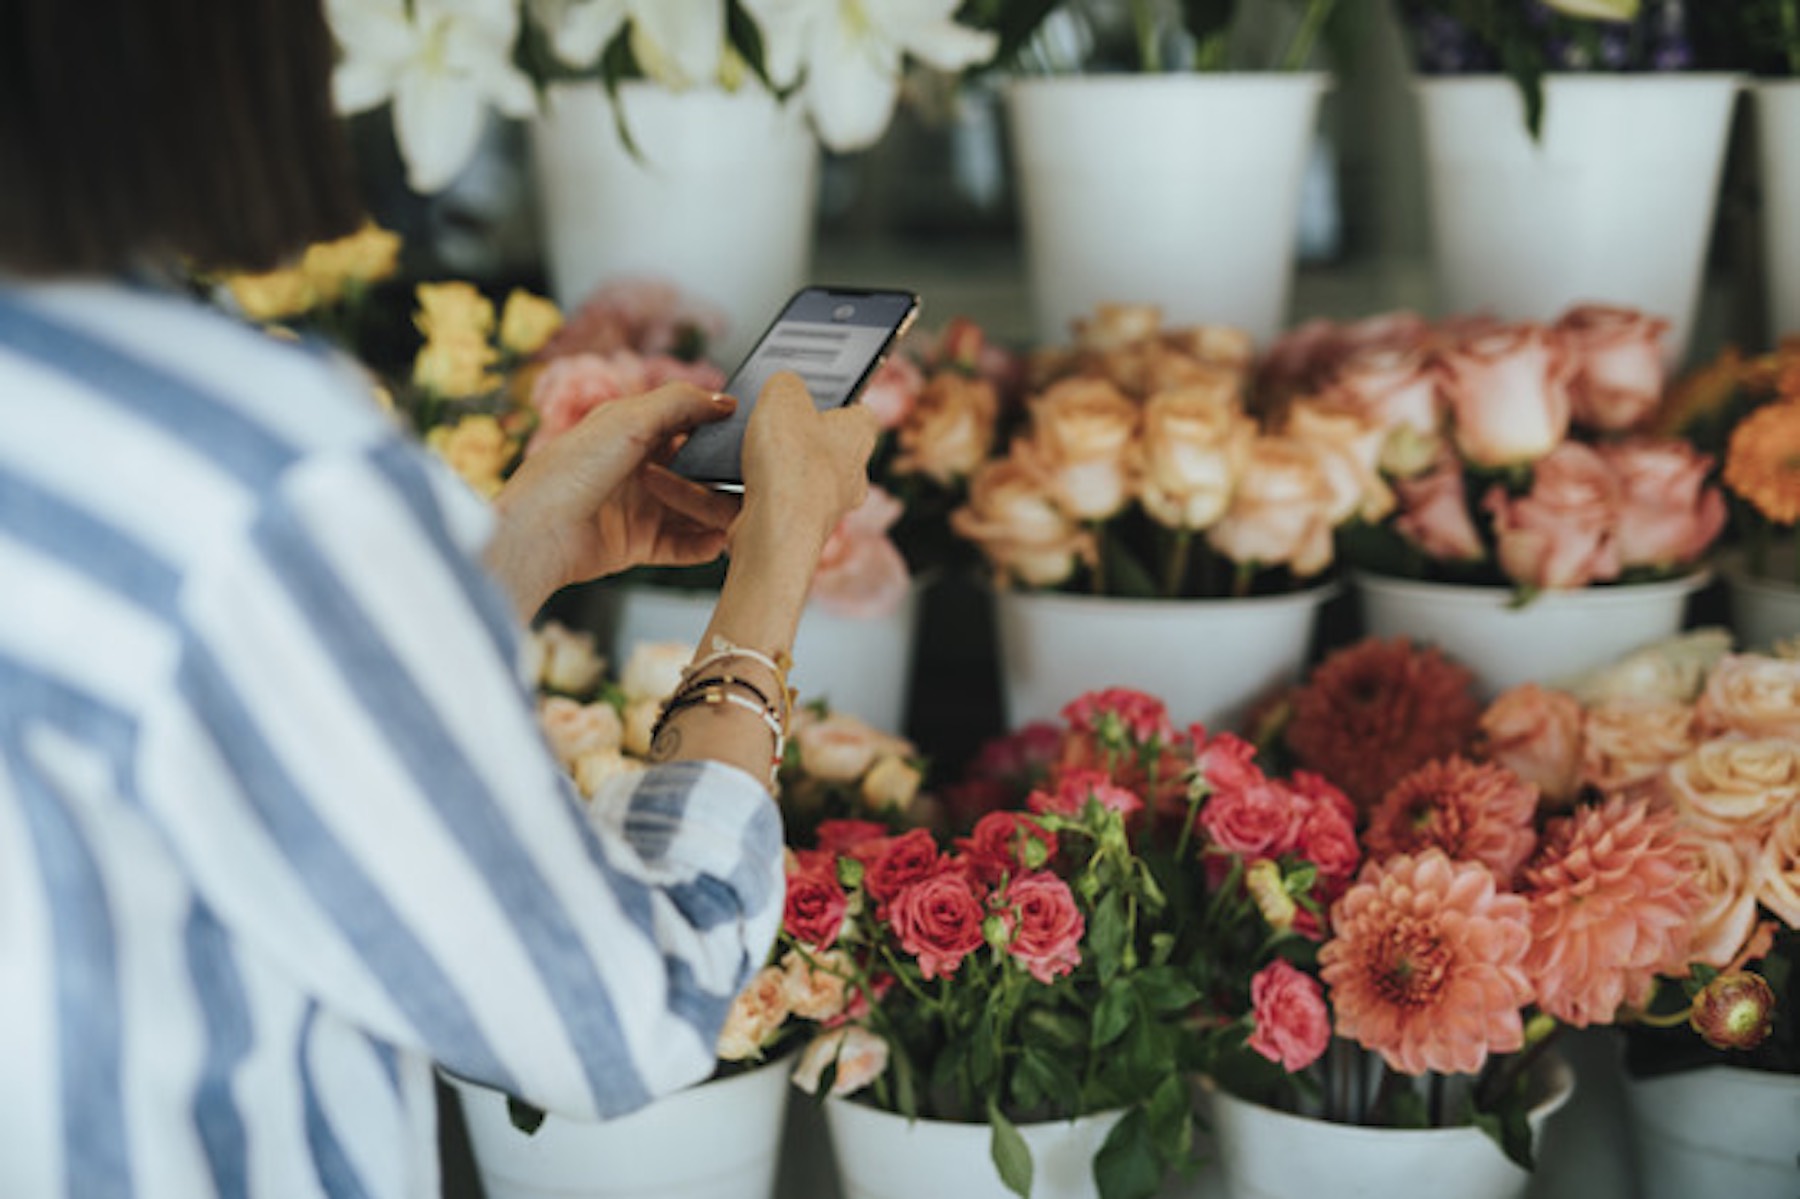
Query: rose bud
1734	1011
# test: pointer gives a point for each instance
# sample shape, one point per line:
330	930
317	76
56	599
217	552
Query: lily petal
579	29
924	29
437	123
785	26
852	84
689	33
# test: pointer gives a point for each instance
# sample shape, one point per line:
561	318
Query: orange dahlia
1762	463
1426	963
1473	812
1373	711
1614	900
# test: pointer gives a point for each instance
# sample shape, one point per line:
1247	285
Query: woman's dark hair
134	128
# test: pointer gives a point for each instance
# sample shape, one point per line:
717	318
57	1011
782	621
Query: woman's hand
596	500
803	469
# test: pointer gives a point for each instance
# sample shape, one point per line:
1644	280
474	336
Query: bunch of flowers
1143	35
1749	408
1515	454
443	63
323	293
1530	38
1141	468
1718	755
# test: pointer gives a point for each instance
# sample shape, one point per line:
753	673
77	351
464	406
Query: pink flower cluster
1521	445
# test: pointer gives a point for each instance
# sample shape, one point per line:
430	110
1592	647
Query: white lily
1598	10
849	54
440	62
677	42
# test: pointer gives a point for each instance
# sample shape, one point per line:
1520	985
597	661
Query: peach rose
891	783
1083	434
640	725
1349	443
859	1055
1668	515
1115	325
1560	535
654	669
1628	743
566	659
840	748
1778	868
575	730
950	429
593	771
1396	330
1728	900
1281	512
755	1016
861	574
1019	527
1752	694
1196	440
1434	514
1399	388
817	989
893	390
1734	787
1618	378
1214	345
1535	732
1508	392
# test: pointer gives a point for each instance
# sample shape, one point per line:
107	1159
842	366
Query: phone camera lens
843	312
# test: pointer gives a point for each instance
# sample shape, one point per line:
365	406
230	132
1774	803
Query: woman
277	829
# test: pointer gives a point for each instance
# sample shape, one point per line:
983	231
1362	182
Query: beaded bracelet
712	693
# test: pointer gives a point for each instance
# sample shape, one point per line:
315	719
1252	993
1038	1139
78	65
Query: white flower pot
1613	203
1268	1154
718	1140
1717	1131
881	1155
720	201
1208	659
1181	190
862	667
1556	635
1778	146
1764	608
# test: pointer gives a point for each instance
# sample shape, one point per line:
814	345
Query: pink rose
1076	787
815	905
1536	733
649	316
1226	761
1293	1027
1617	352
1434	514
569	388
1509	394
938	920
1401	391
896	864
1045	923
861	573
893	390
1259	821
1140	717
998	846
1327	836
1668	515
1561	534
838	836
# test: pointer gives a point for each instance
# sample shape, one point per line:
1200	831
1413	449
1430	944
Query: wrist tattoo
666	742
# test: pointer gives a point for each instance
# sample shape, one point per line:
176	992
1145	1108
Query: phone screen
833	338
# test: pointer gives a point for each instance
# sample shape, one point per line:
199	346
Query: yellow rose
1216	345
1263	881
454	309
1012	518
456	367
477	448
891	784
950	429
1196	440
527	322
369	254
1083	441
1116	325
273	296
1281	512
654	669
640	724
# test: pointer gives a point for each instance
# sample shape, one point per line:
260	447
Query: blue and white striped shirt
277	828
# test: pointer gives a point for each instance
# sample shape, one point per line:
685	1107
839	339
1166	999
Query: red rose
1105	714
898	862
1292	1026
1327	836
1046	925
837	836
938	921
1075	787
1258	821
814	911
998	845
1227	762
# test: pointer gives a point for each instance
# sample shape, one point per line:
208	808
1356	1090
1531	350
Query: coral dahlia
1426	963
1614	898
1473	812
1373	711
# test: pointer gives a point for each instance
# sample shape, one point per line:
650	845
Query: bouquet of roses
1516	454
1141	467
1717	751
325	292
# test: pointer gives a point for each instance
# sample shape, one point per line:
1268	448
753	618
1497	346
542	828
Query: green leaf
1126	1166
1050	1075
1509	1129
1125	574
1164	989
526	1118
1114	1014
1106	935
1407	1109
1208	19
1012	1157
1057	1030
1171	1116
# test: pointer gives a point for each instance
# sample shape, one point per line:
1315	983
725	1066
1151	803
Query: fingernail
719	397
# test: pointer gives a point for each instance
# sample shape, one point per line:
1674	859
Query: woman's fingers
705	506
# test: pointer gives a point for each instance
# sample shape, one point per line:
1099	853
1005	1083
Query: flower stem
1312	24
1176	572
1790	33
1099	580
1143	14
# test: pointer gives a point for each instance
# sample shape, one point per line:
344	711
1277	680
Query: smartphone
832	337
